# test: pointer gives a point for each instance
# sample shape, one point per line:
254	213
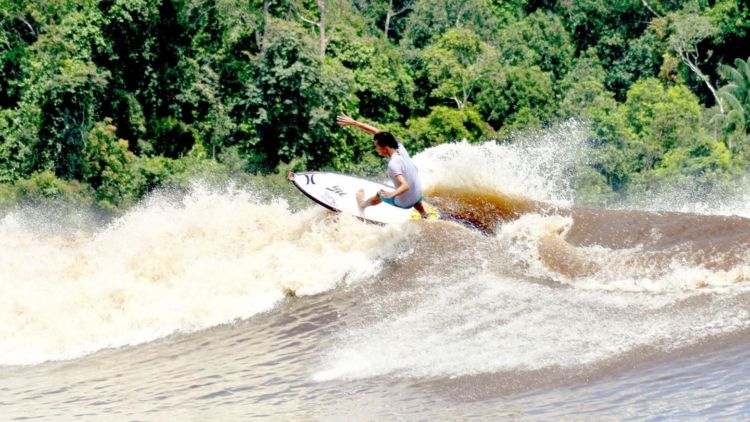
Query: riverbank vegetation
105	100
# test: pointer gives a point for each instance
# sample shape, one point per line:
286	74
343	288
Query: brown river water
520	305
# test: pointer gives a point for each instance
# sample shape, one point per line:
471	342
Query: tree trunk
392	13
321	24
650	9
266	7
322	28
685	56
388	19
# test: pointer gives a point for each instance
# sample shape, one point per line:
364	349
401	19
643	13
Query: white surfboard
338	192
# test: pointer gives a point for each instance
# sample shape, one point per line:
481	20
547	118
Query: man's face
380	150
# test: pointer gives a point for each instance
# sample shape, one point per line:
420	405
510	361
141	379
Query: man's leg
375	200
420	207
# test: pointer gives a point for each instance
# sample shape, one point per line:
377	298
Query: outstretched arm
345	120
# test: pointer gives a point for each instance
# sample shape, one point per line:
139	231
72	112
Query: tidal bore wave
171	266
519	280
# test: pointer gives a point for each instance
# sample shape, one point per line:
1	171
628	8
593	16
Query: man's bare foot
361	198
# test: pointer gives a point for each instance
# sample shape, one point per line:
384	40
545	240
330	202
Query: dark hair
385	139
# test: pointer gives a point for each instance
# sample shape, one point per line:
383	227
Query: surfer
401	170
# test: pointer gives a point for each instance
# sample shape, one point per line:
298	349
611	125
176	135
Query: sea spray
538	166
173	265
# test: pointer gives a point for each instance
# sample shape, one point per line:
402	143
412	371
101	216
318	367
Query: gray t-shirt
400	163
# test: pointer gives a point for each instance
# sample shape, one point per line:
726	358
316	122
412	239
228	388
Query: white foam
537	167
170	266
478	323
617	270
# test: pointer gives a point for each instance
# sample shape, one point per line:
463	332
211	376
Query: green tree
704	163
300	100
325	18
17	32
109	166
583	87
689	29
457	62
615	150
445	124
517	97
381	80
538	39
19	133
738	85
432	18
134	30
619	32
203	105
663	119
62	87
733	122
46	188
670	122
632	59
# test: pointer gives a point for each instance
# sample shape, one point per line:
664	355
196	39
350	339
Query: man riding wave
401	170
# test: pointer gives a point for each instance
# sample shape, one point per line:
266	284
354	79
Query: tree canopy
115	97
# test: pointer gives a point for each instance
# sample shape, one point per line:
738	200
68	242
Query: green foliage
173	137
688	29
457	62
733	125
737	89
585	94
617	152
146	44
516	97
657	136
641	58
376	14
381	79
152	172
445	124
300	99
61	86
615	29
731	18
202	105
591	20
108	166
18	134
538	39
288	82
433	18
705	164
664	118
213	89
592	187
16	33
45	188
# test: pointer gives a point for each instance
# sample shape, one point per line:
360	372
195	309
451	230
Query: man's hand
387	194
344	120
